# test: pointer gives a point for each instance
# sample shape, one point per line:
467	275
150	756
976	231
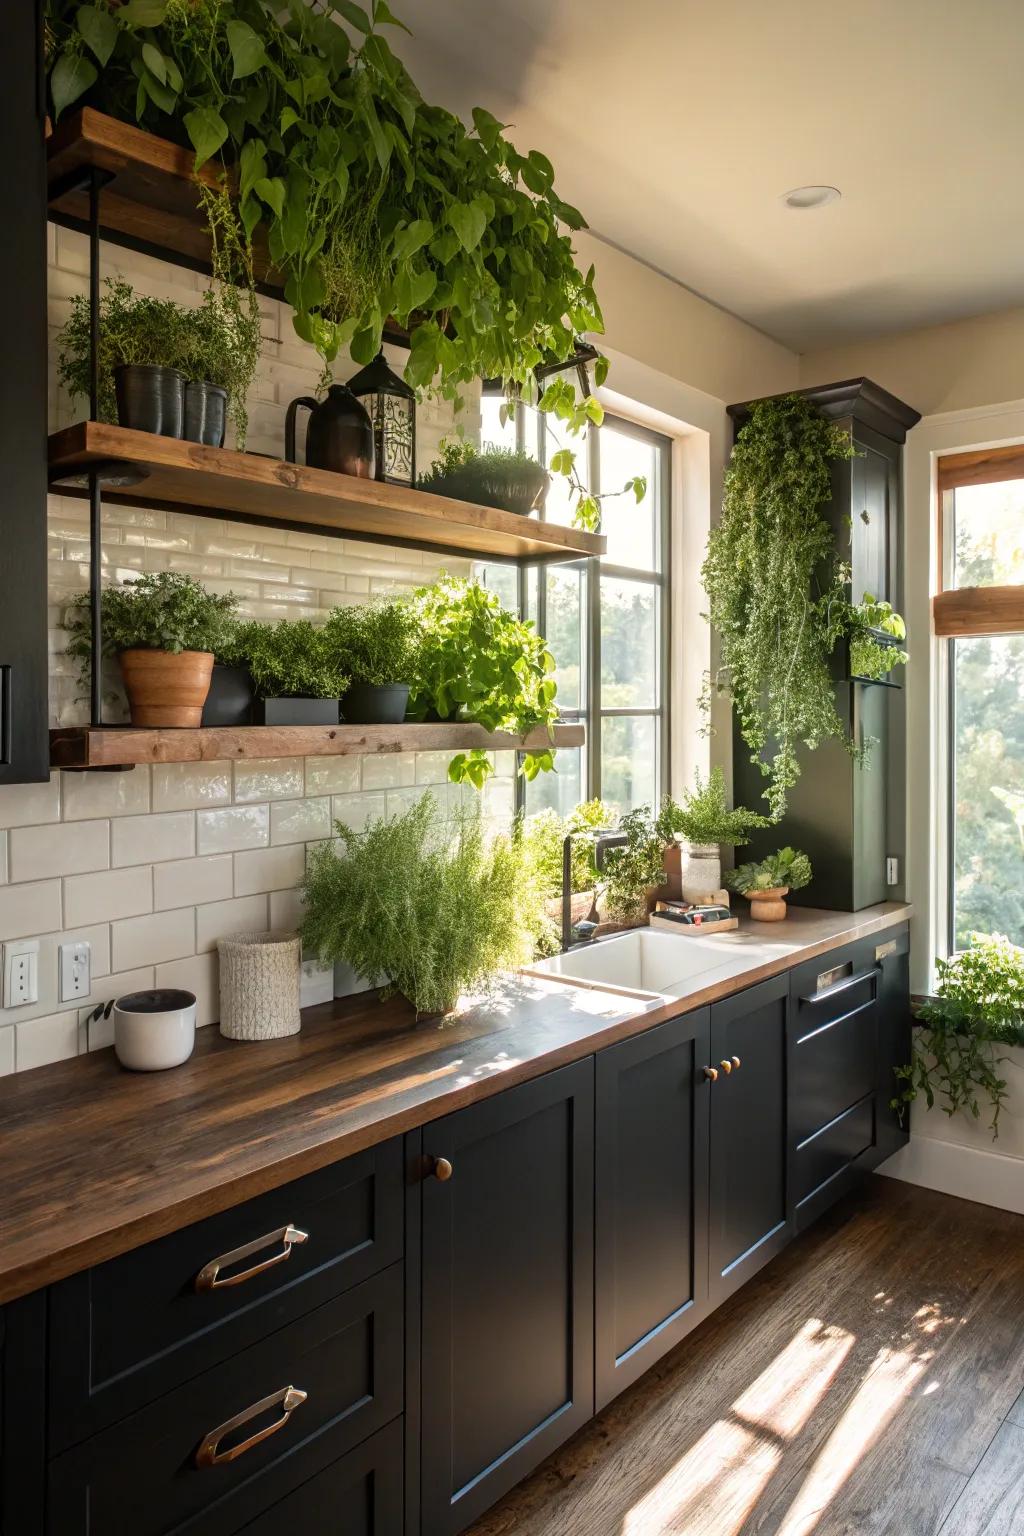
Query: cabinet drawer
832	1066
830	1150
359	1495
133	1329
145	1475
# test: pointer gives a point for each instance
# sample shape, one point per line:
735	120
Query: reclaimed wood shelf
248	487
112	746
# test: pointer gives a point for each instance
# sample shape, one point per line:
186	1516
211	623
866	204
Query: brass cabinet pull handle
442	1169
207	1280
736	1062
287	1398
726	1066
711	1073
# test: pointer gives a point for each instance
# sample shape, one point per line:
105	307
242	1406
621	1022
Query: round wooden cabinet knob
726	1067
442	1169
711	1073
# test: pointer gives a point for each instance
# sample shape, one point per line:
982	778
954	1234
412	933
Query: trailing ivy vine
777	588
371	202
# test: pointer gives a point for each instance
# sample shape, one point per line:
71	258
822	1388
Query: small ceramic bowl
154	1030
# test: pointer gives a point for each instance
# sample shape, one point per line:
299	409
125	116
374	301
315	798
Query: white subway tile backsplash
26	910
356	810
98	939
100	1032
233	828
269	779
389	770
432	767
187	882
103	897
105	794
43	1041
188	786
27	805
285	911
152	839
300	821
37	853
246	914
332	775
136	941
269	869
198	974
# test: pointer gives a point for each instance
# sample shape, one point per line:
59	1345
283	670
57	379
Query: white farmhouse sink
645	960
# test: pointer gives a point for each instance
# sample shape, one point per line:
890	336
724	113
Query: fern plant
704	817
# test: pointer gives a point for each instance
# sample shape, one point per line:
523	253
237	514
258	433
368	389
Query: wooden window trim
979	611
982	466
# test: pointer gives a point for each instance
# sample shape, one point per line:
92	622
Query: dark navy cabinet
651	1197
507	1290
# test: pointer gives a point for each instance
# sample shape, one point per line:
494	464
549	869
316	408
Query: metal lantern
392	407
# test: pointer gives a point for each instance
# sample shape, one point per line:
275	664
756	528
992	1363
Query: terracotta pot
580	906
166	689
768	906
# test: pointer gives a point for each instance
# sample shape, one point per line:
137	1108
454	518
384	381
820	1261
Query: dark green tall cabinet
848	817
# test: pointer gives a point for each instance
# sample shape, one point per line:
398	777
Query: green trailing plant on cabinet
419	913
979	1007
371	201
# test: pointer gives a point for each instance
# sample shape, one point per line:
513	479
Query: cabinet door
507	1291
651	1172
747	1213
360	1495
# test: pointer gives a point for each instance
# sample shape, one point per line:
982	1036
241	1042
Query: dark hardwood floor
870	1382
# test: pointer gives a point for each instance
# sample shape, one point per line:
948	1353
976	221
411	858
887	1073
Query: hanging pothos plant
371	203
777	587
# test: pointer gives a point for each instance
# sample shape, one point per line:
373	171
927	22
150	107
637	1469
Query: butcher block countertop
97	1160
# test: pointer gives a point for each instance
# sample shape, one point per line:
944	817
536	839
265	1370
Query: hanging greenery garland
777	587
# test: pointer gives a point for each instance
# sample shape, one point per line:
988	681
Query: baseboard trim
990	1178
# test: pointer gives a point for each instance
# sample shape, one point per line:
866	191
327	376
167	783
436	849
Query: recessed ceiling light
811	197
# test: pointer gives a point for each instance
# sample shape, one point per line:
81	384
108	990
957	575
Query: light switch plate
21	973
75	971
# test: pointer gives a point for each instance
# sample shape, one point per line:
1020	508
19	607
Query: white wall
956	1154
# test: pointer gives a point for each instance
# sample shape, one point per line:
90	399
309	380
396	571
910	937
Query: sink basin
643	960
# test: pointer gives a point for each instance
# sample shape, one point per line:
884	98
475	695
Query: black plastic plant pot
231	697
296	712
206	409
150	399
370	704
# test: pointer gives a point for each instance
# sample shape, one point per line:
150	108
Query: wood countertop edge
46	1259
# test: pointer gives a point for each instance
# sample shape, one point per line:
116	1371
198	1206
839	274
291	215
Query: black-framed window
606	620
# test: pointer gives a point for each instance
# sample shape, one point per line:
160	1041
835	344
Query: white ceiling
676	125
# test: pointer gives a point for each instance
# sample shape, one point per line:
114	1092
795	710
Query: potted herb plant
493	477
632	873
164	367
298	677
767	884
164	630
417	914
979	1007
476	660
702	825
375	646
544	835
876	631
232	694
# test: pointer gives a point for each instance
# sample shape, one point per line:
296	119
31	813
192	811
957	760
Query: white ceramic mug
154	1030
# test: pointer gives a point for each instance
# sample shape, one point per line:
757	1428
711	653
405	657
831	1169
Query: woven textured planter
259	985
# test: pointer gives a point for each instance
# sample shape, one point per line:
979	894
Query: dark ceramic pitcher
339	435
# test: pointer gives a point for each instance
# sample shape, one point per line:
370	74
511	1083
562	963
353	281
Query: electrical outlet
75	971
21	973
892	871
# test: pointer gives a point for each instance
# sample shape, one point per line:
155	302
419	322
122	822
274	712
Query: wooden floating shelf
218	482
87	746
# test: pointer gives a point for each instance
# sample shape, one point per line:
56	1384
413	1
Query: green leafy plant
631	872
979	1006
870	656
290	659
492	477
371	202
424	914
544	835
375	643
217	342
786	868
561	401
165	612
777	587
704	816
477	661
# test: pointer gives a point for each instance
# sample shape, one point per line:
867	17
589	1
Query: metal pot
230	699
339	436
206	409
367	704
150	398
